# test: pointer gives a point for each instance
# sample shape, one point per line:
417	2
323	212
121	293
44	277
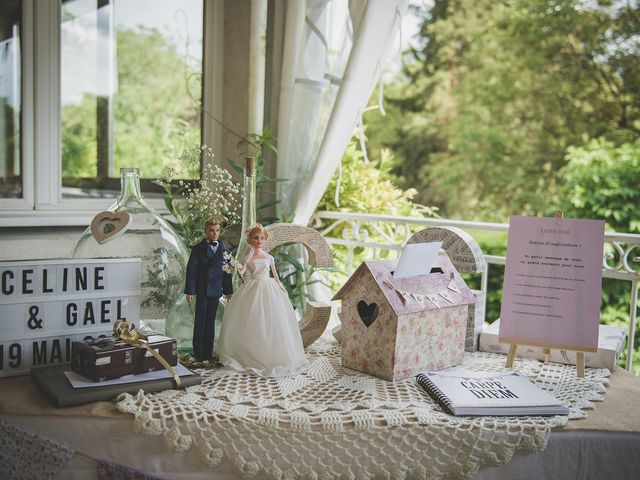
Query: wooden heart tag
368	312
107	225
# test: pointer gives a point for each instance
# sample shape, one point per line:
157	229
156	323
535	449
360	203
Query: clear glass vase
150	237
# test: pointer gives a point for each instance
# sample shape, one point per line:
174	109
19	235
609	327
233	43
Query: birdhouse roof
442	288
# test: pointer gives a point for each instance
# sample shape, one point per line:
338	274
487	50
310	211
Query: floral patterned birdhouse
393	328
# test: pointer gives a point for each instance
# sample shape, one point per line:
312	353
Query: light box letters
47	304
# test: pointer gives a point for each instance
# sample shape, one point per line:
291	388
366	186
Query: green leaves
295	277
367	188
482	120
602	180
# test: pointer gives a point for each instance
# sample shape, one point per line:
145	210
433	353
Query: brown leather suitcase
107	358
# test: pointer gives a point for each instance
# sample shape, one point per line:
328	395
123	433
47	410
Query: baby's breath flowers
216	195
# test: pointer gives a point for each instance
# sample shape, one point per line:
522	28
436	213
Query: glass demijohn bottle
150	237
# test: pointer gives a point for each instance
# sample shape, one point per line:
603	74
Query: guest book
464	392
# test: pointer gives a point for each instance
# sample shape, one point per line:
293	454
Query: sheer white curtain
332	58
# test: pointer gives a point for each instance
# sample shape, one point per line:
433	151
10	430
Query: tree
601	181
79	149
497	93
156	115
366	188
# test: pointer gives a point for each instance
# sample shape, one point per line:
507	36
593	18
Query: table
605	444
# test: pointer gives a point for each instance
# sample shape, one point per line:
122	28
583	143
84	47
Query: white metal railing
621	259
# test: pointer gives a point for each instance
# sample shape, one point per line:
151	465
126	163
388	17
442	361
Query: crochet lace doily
335	422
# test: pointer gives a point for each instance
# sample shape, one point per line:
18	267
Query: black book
55	385
465	392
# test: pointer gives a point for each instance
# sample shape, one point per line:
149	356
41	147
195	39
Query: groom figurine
208	282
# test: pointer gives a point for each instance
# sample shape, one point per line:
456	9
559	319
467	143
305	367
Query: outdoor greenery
509	107
516	107
602	180
156	115
498	96
367	188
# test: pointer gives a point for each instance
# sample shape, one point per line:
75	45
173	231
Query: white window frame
41	163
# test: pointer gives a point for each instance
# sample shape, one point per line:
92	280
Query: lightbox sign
47	304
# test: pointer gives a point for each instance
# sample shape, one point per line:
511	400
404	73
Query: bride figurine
260	331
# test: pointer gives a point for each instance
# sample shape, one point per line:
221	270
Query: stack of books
103	369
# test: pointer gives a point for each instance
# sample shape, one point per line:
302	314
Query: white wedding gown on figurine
260	331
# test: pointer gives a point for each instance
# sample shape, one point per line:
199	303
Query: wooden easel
546	349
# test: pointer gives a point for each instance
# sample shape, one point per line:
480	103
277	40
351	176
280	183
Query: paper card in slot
416	259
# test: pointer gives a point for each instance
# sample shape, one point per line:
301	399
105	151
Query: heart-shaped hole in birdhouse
107	225
368	312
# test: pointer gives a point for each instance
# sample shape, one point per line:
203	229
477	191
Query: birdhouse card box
393	328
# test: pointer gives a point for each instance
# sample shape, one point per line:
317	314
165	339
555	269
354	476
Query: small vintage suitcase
107	358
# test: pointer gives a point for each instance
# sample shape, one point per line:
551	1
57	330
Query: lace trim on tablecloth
25	455
336	422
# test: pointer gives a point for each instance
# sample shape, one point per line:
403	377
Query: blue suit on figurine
208	282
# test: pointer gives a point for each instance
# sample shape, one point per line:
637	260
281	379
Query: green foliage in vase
159	280
295	274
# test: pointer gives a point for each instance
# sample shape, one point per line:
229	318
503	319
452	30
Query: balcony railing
621	258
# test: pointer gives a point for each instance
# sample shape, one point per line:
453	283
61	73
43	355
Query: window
130	89
90	86
10	99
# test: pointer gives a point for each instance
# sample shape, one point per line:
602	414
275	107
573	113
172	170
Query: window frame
41	163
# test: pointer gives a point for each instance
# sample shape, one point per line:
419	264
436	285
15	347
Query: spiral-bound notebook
464	392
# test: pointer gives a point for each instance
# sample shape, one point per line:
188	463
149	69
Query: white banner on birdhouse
46	304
